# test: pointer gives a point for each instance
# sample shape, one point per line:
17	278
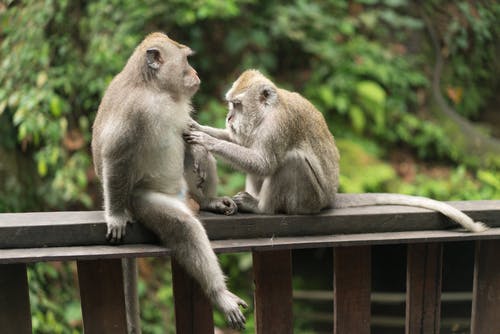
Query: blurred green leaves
366	65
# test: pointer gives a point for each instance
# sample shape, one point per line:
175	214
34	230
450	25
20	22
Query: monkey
283	144
200	172
138	153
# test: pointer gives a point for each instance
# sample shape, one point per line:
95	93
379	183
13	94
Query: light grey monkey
139	154
283	144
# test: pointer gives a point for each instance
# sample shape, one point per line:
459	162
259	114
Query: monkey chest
163	160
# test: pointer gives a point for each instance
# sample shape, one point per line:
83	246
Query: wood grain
423	288
15	314
486	291
102	296
242	245
56	229
193	311
272	271
351	290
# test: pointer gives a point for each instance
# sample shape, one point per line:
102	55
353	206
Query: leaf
42	167
327	96
55	106
3	105
489	178
371	92
358	119
41	79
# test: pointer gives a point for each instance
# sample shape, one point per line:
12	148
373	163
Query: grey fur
139	155
283	144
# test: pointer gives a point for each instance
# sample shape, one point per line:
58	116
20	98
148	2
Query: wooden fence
68	236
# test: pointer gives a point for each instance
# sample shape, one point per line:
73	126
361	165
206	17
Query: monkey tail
357	200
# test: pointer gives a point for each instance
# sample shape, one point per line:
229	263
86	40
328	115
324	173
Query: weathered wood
102	296
352	289
241	245
29	230
486	291
272	271
56	229
15	315
423	288
193	311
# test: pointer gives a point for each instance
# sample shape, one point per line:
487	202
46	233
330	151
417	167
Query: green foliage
54	312
366	64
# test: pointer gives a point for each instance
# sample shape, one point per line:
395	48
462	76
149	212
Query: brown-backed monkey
283	144
139	152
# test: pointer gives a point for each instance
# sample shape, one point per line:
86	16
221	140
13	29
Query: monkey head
251	99
164	63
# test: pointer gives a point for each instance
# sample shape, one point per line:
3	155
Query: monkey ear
153	58
268	95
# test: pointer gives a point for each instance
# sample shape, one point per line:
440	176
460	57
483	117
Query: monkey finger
190	138
240	320
235	321
242	303
193	125
230	321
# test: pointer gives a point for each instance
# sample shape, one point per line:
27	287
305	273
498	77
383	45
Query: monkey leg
175	225
200	171
292	189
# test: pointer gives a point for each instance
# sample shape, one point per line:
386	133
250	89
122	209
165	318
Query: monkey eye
236	103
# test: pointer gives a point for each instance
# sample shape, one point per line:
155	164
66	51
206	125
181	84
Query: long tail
355	200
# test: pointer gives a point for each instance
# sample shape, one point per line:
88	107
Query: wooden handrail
65	236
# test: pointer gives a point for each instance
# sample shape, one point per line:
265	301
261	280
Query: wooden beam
193	311
50	229
272	271
15	315
242	245
486	291
102	296
423	288
352	289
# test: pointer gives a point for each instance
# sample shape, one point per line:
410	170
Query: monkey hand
194	126
116	224
229	304
201	138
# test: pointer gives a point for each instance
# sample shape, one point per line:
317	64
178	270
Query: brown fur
284	145
139	155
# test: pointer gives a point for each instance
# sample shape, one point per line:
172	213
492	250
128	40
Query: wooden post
423	288
102	296
193	311
352	289
486	292
15	315
272	271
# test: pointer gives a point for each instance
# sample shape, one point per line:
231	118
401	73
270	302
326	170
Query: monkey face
251	99
167	63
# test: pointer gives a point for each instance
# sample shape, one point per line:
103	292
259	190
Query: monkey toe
230	208
236	320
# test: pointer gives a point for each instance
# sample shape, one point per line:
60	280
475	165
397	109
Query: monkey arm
116	181
221	134
249	160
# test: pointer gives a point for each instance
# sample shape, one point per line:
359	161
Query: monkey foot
246	202
224	205
229	304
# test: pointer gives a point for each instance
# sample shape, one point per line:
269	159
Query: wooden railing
67	236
